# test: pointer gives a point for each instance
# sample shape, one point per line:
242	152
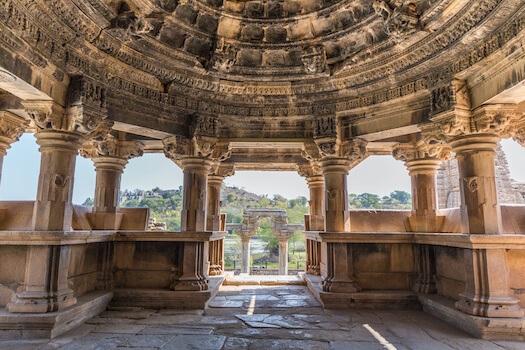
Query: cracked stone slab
202	342
196	330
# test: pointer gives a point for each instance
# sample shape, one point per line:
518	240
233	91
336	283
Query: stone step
245	279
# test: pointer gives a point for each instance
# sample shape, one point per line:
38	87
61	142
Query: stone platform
372	299
52	324
262	317
480	327
162	299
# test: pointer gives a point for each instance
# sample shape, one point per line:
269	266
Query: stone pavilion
218	86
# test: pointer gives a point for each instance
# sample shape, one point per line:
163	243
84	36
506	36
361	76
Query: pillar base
340	286
36	302
490	307
190	284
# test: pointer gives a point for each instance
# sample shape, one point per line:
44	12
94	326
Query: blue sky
377	174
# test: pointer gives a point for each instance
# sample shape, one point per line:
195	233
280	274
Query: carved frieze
400	18
49	115
314	60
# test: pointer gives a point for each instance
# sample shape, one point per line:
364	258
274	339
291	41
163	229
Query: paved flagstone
260	317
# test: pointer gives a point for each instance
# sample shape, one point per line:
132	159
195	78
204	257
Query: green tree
368	200
88	202
402	196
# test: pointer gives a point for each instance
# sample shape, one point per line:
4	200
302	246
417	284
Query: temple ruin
222	86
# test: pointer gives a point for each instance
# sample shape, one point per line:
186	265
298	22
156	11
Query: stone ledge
369	299
52	324
167	299
481	327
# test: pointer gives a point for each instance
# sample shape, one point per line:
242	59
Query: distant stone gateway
310	86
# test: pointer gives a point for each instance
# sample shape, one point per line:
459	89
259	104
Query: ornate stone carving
177	146
309	170
11	126
314	60
400	18
112	147
224	170
49	115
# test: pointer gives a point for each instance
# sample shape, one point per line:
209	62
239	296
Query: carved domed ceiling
289	60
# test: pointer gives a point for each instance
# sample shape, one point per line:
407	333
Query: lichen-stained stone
207	23
168	5
229	28
186	13
332	49
342	19
249	58
301	30
216	3
275	58
254	9
276	34
252	32
197	47
292	7
275	9
172	36
233	6
310	5
321	26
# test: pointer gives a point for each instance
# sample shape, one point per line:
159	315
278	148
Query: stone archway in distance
280	227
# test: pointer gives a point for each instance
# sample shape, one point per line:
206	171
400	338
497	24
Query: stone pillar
337	216
487	290
109	172
423	174
283	255
245	254
214	202
426	269
194	199
317	198
45	285
194	276
475	154
110	157
53	209
11	128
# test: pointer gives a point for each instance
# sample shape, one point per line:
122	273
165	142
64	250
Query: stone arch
278	219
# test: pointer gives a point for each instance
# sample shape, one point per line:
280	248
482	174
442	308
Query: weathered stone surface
276	34
249	58
186	13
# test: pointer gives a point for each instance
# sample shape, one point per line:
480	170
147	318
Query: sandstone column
473	136
245	254
61	132
475	154
110	157
337	216
11	128
283	255
195	155
216	248
422	160
336	158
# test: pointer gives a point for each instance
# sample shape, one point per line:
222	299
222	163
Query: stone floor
263	317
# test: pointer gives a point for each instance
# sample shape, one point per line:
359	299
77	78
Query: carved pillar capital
111	151
11	128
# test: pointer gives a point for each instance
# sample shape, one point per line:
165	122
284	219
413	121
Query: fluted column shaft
335	171
214	202
109	173
317	197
